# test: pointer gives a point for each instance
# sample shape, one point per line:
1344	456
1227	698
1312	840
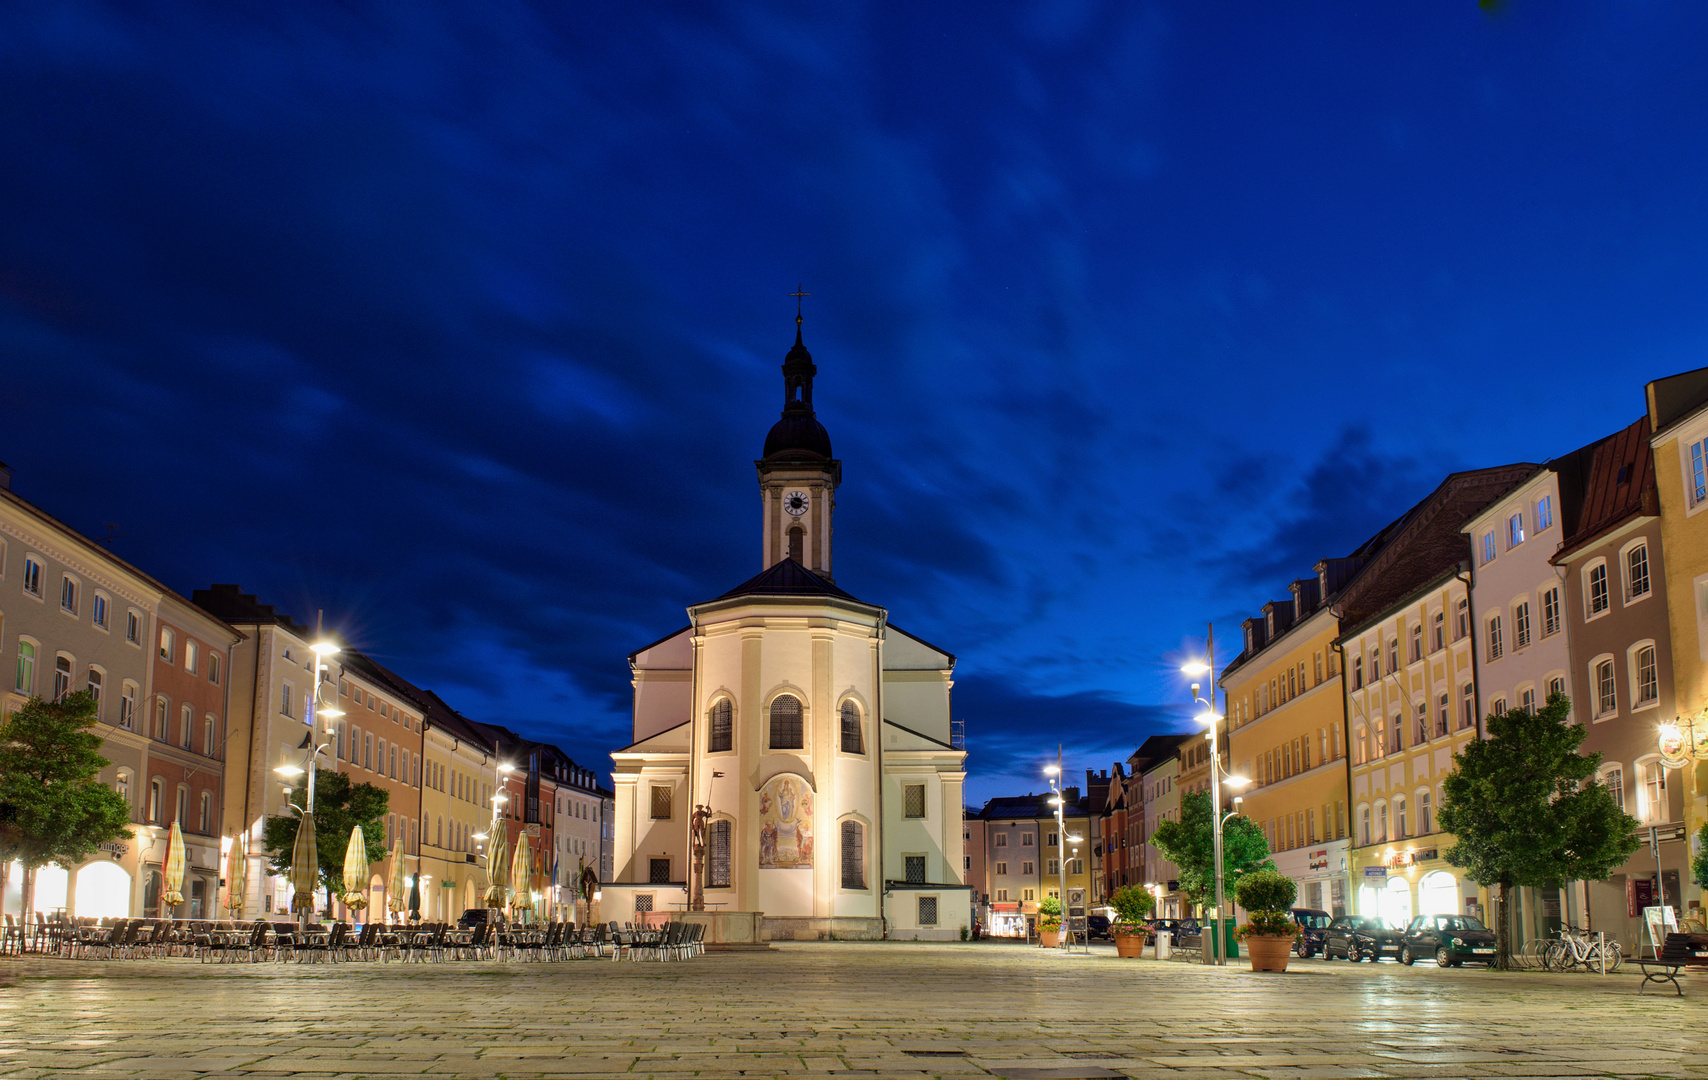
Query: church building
792	763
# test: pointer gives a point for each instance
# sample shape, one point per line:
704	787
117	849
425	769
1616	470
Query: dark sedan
1450	939
1360	937
1179	928
1313	930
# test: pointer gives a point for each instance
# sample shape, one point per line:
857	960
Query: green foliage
1189	845
1131	903
1269	924
53	806
1050	905
339	806
1699	865
1266	891
1526	811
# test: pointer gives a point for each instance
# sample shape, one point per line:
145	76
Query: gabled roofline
922	641
922	735
674	633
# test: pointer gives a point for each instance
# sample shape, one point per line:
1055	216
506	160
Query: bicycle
1574	947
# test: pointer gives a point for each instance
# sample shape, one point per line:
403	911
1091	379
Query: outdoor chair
1664	968
364	946
131	945
13	939
326	948
98	938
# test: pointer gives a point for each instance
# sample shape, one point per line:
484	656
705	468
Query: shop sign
114	848
1375	872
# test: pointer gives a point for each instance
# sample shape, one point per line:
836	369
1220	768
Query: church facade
792	754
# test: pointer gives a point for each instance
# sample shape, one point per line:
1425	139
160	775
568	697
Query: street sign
1375	872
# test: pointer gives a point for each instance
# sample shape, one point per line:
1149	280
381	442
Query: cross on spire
798	294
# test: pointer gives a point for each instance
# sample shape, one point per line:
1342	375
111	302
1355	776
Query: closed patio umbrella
497	872
415	898
236	874
537	883
356	871
174	881
521	869
395	880
305	866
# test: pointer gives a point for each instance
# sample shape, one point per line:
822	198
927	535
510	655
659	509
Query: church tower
797	474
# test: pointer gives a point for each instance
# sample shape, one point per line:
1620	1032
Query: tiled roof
1620	485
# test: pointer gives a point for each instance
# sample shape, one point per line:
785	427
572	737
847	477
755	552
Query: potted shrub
1267	896
1131	903
1049	922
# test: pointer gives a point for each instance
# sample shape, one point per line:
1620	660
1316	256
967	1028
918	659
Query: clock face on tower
795	503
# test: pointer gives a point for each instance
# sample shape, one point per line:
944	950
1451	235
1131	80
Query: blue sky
463	323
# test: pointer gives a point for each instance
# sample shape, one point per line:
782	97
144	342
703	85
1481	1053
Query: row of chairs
672	941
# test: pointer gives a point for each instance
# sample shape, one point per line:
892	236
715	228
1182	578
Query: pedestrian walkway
869	1010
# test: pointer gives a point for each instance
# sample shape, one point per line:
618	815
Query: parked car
1313	931
1097	926
1180	928
1360	937
474	916
1450	939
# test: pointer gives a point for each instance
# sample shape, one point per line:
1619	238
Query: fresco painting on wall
785	823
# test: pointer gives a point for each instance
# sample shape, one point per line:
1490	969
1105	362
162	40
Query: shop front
1397	884
1321	874
1006	919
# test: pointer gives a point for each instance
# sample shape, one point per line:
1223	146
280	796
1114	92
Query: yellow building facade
1285	715
1678	416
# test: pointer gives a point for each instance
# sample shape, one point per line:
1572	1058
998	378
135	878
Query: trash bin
1230	941
1164	939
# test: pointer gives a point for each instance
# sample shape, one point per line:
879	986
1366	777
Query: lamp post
1054	772
321	719
1198	668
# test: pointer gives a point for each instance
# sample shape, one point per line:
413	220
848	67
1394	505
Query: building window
1654	792
1489	546
26	683
1364	825
853	855
853	741
1515	530
797	544
127	706
927	911
1443	717
914	801
1026	896
1521	625
122	786
1417	643
1026	841
133	628
1002	869
208	737
1550	611
1398	746
68	594
204	818
186	726
1358	672
95	688
661	802
1381	823
1614	779
722	734
213	668
914	866
189	656
1606	696
1001	839
98	611
1422	724
1527	699
1637	572
658	871
32	576
1544	512
1440	636
717	854
1494	637
1497	707
1468	711
1054	868
1556	685
1399	819
786	731
61	677
1423	826
1462	620
1597	590
161	719
156	796
1648	685
166	644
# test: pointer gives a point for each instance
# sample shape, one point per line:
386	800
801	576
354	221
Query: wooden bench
1664	968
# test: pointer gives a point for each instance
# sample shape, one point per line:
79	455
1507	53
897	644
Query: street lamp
1054	772
319	715
1206	668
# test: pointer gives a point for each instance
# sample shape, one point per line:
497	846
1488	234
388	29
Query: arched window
786	723
156	795
722	734
26	682
1364	825
1399	818
161	707
183	808
204	820
1381	823
97	682
61	676
122	786
853	855
717	854
1424	825
186	726
797	544
127	705
208	746
852	740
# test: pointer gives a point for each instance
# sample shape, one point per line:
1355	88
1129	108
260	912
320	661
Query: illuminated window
853	741
722	734
854	856
786	733
1515	530
1597	589
1637	572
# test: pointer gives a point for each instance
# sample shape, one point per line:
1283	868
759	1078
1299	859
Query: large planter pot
1050	939
1269	952
1129	943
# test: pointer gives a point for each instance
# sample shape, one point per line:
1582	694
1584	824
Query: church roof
788	578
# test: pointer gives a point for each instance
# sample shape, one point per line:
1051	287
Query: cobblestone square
839	1009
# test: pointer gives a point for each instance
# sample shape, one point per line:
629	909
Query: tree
53	806
339	806
1699	865
1189	844
1527	811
